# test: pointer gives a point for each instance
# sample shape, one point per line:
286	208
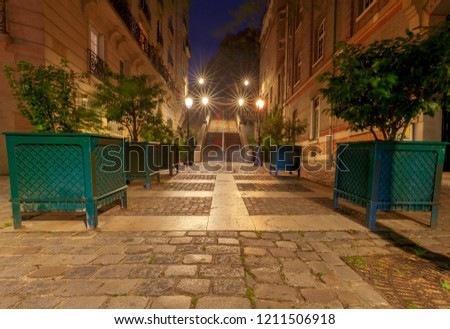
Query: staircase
212	150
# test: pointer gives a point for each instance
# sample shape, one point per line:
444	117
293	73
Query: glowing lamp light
201	81
189	101
241	101
205	100
260	103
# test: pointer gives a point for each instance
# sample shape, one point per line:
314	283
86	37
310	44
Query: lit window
94	42
298	71
363	5
315	123
299	15
320	41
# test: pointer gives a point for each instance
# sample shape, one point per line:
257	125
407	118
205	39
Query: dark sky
207	16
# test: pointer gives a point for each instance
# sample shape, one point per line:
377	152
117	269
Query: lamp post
260	105
189	102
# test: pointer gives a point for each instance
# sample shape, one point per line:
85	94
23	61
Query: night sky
206	17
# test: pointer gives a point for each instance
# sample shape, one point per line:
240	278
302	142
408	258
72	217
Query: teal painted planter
146	159
285	158
142	162
169	157
65	172
390	176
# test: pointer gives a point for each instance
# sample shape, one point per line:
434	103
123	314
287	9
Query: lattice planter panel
64	172
390	176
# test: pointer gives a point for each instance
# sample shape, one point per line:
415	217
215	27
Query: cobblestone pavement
194	177
170	206
253	177
287	206
184	187
182	270
272	187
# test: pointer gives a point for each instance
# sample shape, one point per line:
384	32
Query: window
298	70
363	5
315	123
123	67
96	54
298	14
169	57
96	43
3	17
282	14
320	46
281	44
159	36
278	89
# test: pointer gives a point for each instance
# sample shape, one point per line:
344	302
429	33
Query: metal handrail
96	65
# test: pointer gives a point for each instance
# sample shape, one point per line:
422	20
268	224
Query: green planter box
64	172
142	161
169	157
390	176
285	158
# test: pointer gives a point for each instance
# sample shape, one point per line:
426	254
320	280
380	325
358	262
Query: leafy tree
236	58
159	131
279	129
130	101
391	82
293	129
273	125
250	12
47	97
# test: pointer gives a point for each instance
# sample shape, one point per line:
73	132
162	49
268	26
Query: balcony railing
96	65
147	47
2	16
144	7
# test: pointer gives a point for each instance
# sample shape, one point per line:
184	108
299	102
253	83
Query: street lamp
201	81
246	83
189	102
205	100
260	105
241	101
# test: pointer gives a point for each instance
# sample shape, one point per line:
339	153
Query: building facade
297	44
128	36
